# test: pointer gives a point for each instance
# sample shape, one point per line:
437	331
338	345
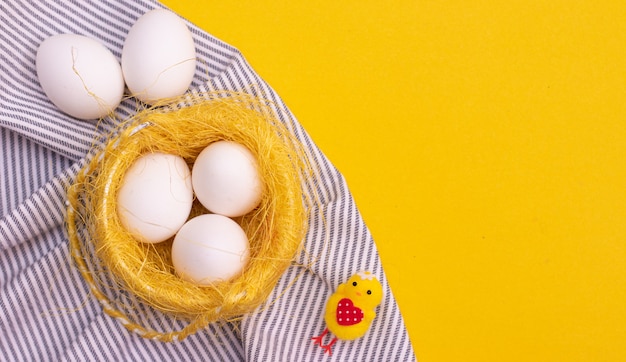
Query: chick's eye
369	292
354	283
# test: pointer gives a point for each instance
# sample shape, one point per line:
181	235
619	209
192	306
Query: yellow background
485	145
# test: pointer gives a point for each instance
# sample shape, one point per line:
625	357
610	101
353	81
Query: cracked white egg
79	75
210	248
226	179
155	197
159	56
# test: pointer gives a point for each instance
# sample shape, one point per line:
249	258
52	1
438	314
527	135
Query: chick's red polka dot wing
347	313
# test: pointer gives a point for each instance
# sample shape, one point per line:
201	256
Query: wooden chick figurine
350	310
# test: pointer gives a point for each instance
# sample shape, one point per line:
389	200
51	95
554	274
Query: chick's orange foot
327	348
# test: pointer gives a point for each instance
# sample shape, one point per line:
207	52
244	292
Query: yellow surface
485	145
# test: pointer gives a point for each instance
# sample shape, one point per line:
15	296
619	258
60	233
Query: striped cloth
46	311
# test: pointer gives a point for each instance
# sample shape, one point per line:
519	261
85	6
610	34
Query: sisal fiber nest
129	277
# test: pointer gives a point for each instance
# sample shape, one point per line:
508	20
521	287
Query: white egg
210	248
155	197
226	179
79	75
159	56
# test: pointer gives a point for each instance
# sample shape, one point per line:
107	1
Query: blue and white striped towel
46	311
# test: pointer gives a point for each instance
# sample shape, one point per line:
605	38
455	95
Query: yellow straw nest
129	277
